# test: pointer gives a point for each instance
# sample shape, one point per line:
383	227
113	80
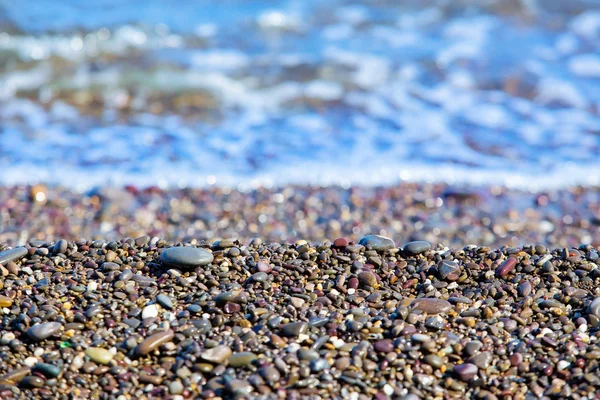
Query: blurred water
190	93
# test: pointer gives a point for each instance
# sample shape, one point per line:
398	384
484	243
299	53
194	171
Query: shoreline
445	214
146	318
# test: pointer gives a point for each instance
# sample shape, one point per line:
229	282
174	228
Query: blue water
242	93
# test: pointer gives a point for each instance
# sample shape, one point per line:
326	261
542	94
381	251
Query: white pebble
582	328
351	291
38	352
338	343
563	364
388	389
150	311
31	361
92	286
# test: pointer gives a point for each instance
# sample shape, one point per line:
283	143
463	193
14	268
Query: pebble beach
300	200
178	315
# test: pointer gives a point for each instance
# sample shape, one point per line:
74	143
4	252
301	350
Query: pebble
466	372
43	331
7	256
186	257
506	267
48	370
150	311
99	355
294	329
241	359
217	354
431	305
165	301
594	307
154	341
377	242
417	247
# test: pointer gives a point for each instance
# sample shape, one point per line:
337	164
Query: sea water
246	93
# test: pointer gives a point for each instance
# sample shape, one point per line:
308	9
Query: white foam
586	65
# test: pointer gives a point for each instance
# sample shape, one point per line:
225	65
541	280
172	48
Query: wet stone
154	341
12	255
431	305
417	247
186	257
466	372
506	267
99	355
377	242
367	279
217	354
32	381
594	307
48	370
43	331
241	359
294	329
164	301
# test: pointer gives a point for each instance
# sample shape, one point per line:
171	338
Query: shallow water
245	93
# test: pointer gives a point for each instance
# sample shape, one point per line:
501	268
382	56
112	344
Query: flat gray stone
594	307
417	247
43	331
377	242
186	257
7	256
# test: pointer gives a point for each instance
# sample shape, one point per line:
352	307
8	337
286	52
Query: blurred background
246	93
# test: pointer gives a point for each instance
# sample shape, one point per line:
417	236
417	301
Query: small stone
294	329
259	277
99	355
217	354
466	372
241	359
150	311
238	388
176	387
431	305
5	301
43	331
16	375
377	242
417	247
270	374
340	242
164	301
186	257
384	346
506	267
11	255
367	279
297	302
307	354
594	307
125	275
48	370
433	360
318	365
482	360
32	381
231	308
449	270
154	341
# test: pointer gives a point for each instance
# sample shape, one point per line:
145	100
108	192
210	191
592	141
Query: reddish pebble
506	267
263	267
516	359
231	308
466	371
384	346
353	283
340	242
